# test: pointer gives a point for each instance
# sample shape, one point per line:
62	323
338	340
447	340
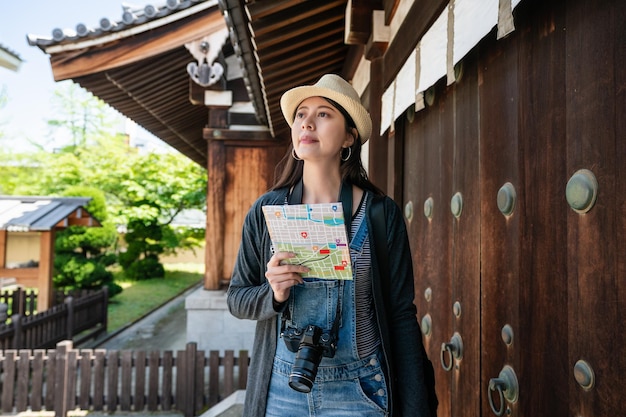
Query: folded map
316	233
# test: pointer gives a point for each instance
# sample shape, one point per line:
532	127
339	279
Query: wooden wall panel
619	15
544	102
500	235
428	170
543	244
464	107
595	65
250	173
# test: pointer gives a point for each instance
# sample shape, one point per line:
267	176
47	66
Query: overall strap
345	196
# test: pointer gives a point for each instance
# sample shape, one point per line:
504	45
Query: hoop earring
349	154
294	155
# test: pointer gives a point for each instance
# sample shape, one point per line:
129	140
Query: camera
310	345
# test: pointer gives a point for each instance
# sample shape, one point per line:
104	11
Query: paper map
316	233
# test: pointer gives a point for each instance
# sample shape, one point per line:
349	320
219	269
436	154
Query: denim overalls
345	385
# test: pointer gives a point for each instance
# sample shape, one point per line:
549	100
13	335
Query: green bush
76	272
145	268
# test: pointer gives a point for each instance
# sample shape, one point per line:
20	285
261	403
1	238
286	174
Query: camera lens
305	368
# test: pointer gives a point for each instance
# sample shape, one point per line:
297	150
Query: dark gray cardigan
250	297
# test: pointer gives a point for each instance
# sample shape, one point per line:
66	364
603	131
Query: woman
375	368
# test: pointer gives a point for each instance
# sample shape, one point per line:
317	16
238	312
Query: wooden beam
418	20
260	9
390	7
296	20
218	118
379	40
238	135
359	20
352	61
77	63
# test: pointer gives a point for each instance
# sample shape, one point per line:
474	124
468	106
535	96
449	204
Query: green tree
154	190
81	116
143	192
81	257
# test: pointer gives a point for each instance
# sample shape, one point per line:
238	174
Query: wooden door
499	233
595	78
427	183
465	212
442	200
533	288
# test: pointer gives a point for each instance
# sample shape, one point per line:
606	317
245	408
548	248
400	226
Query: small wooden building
27	230
498	127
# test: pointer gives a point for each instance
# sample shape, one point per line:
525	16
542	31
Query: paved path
163	329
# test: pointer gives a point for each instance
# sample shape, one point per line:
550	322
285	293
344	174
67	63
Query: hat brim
290	101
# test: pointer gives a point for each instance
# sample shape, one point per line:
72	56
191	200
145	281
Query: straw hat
337	89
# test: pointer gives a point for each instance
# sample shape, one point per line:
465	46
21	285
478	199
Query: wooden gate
519	250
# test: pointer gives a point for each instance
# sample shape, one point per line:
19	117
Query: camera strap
345	196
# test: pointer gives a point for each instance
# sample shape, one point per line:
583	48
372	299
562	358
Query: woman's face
319	131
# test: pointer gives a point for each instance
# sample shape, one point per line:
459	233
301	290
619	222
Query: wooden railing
77	319
17	301
66	379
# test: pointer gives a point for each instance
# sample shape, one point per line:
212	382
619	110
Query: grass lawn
141	297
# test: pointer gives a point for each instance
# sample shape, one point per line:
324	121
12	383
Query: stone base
231	406
212	327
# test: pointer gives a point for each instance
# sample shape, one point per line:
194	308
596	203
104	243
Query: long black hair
289	170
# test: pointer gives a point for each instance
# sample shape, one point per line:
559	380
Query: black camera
310	345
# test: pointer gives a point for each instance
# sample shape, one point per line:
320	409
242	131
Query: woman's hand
282	277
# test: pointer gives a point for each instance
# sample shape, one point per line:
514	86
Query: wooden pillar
215	217
374	52
377	144
46	266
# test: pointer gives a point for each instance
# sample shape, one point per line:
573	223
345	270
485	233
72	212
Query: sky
30	89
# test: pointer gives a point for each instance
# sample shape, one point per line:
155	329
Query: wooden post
16	320
3	248
190	380
46	263
377	167
8	388
61	380
215	217
105	310
243	369
69	302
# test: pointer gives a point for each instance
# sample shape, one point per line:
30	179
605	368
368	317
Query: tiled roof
131	17
9	59
140	66
25	214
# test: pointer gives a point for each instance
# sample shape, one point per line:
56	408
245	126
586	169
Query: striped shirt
367	336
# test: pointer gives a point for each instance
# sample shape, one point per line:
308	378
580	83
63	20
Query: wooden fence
77	319
66	379
18	301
